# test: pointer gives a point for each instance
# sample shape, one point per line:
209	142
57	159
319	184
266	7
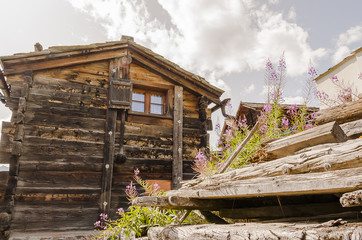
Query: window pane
138	107
138	96
156	99
156	109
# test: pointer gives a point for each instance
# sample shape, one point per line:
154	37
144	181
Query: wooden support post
109	142
238	149
108	160
177	138
213	218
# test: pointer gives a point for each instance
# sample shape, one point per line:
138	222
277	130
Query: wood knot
286	168
327	166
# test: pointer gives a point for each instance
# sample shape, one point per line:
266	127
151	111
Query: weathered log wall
58	181
148	140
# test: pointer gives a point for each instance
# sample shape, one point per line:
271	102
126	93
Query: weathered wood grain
177	138
327	133
353	129
75	134
64	121
50	146
338	181
346	112
109	151
59	179
256	231
62	62
351	199
326	157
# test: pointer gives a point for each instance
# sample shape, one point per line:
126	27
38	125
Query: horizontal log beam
326	157
327	133
63	61
256	231
343	113
175	202
339	181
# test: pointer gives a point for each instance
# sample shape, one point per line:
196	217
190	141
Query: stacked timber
313	176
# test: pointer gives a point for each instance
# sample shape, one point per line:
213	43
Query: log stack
313	176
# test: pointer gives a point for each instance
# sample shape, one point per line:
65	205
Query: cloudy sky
227	42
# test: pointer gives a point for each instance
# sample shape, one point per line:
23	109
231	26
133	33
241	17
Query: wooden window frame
148	89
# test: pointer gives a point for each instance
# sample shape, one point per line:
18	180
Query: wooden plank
257	231
326	133
343	113
50	146
150	120
148	152
68	98
83	190
58	179
177	138
338	181
139	74
148	130
353	129
327	157
10	69
63	121
60	166
74	134
175	202
351	199
193	86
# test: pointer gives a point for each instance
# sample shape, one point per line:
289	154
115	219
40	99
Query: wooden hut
84	117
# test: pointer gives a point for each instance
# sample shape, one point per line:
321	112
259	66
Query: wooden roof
259	106
62	56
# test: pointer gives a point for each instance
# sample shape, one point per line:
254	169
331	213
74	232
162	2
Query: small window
148	102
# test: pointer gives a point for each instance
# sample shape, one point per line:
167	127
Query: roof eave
353	54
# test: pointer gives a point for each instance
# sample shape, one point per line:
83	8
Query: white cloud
273	2
208	37
250	89
352	35
292	15
294	100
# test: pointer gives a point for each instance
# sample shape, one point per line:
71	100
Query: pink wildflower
267	108
285	122
120	211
